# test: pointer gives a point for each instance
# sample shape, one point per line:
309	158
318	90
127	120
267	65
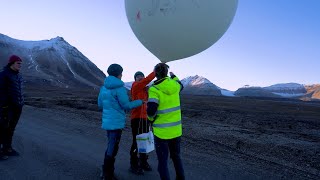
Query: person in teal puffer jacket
114	100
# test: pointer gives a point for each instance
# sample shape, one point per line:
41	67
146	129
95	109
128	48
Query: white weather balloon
176	29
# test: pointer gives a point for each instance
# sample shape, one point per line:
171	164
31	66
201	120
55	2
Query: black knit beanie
137	74
114	70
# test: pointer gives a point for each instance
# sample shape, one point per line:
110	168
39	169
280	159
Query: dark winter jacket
10	88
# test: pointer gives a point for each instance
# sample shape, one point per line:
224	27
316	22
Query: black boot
10	152
108	168
144	162
3	156
135	166
103	176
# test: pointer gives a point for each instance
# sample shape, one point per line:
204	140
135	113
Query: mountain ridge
52	62
56	63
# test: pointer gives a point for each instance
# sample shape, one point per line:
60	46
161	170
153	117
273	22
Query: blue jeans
163	147
114	137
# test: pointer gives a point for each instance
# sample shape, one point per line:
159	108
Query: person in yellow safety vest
163	110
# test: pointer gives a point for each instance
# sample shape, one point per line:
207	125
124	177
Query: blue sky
269	41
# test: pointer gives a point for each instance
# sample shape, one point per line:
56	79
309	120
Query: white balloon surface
176	29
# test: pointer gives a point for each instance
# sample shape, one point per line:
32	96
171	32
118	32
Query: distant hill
255	92
198	85
313	92
287	89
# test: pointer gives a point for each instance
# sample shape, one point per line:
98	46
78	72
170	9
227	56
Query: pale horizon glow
269	41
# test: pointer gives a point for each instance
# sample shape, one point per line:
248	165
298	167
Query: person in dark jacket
11	103
114	101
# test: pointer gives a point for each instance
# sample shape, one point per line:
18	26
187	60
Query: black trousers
138	126
9	117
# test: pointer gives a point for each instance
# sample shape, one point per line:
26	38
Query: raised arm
174	77
144	82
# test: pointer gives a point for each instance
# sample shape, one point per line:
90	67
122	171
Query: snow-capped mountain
287	89
55	63
198	85
254	92
283	90
196	81
51	62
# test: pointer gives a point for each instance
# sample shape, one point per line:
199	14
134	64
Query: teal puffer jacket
114	100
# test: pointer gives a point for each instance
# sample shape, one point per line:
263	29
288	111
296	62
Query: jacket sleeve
174	77
124	101
152	105
100	103
138	86
3	91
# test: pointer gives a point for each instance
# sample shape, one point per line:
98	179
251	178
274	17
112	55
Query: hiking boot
3	156
144	162
136	169
108	168
146	166
102	175
10	152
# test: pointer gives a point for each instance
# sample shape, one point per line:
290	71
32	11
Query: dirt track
224	138
56	144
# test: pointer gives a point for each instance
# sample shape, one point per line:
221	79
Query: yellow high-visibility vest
167	120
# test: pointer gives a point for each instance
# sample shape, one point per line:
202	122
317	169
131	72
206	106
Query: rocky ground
224	138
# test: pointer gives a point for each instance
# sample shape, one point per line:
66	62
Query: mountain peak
195	81
52	62
53	43
58	38
199	85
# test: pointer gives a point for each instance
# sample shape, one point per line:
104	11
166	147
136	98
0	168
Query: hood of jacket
112	82
167	86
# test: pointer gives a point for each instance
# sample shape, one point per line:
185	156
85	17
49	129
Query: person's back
114	100
163	109
167	92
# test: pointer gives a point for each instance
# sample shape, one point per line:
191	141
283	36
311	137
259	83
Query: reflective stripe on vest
164	111
153	100
167	124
